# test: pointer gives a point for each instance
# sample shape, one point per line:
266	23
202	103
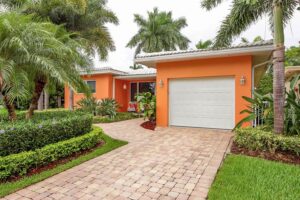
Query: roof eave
151	61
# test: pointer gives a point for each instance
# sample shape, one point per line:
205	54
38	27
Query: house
290	72
194	88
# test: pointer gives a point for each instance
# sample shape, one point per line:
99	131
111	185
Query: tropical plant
265	84
266	102
256	39
257	103
292	56
108	107
204	44
292	113
38	52
85	19
147	104
89	104
159	32
245	12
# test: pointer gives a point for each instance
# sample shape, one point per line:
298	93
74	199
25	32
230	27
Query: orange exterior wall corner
230	66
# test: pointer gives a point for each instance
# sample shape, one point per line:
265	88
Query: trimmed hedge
257	139
121	116
19	164
48	128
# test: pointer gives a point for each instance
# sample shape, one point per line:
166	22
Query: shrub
119	117
108	107
26	135
19	164
89	104
257	139
147	104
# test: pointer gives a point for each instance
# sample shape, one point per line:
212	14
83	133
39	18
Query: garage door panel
206	102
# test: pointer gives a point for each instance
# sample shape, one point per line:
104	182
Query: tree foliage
204	44
159	32
292	56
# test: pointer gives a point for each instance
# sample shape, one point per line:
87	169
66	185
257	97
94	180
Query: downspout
114	88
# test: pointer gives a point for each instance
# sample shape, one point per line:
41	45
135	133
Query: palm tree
242	15
87	19
204	44
159	32
136	67
35	52
256	39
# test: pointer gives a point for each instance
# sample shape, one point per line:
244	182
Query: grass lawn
243	177
121	116
110	145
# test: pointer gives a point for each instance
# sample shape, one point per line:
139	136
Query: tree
136	67
204	44
159	32
256	39
35	53
245	12
292	56
85	19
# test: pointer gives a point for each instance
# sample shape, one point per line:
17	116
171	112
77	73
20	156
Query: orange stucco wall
229	66
103	88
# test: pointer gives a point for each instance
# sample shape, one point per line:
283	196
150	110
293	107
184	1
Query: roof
140	73
104	70
150	59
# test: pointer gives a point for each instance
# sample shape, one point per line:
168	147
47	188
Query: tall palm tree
35	52
204	44
244	13
159	32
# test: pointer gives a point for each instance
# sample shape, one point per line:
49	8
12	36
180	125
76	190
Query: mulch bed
55	163
149	125
285	157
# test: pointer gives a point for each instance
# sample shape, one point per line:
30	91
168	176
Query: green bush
121	116
19	164
257	139
48	128
108	107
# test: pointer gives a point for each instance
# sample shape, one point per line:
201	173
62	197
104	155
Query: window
92	86
133	91
141	87
147	87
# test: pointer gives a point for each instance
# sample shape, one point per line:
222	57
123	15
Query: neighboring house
290	72
194	88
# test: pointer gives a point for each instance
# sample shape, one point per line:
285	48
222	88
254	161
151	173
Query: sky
202	25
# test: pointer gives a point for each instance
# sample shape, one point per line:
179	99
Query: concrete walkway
170	163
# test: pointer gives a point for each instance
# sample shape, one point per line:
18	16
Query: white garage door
203	102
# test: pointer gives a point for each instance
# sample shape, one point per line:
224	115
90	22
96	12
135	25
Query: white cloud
201	25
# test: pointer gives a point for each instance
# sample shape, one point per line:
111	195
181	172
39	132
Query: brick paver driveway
170	163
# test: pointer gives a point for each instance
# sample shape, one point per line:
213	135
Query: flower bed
20	164
45	128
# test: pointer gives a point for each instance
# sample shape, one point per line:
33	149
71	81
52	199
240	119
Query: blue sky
201	25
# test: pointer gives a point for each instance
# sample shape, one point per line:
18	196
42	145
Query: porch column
114	88
71	99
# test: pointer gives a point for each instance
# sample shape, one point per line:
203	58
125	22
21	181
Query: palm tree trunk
278	56
8	105
41	101
40	82
46	100
12	116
